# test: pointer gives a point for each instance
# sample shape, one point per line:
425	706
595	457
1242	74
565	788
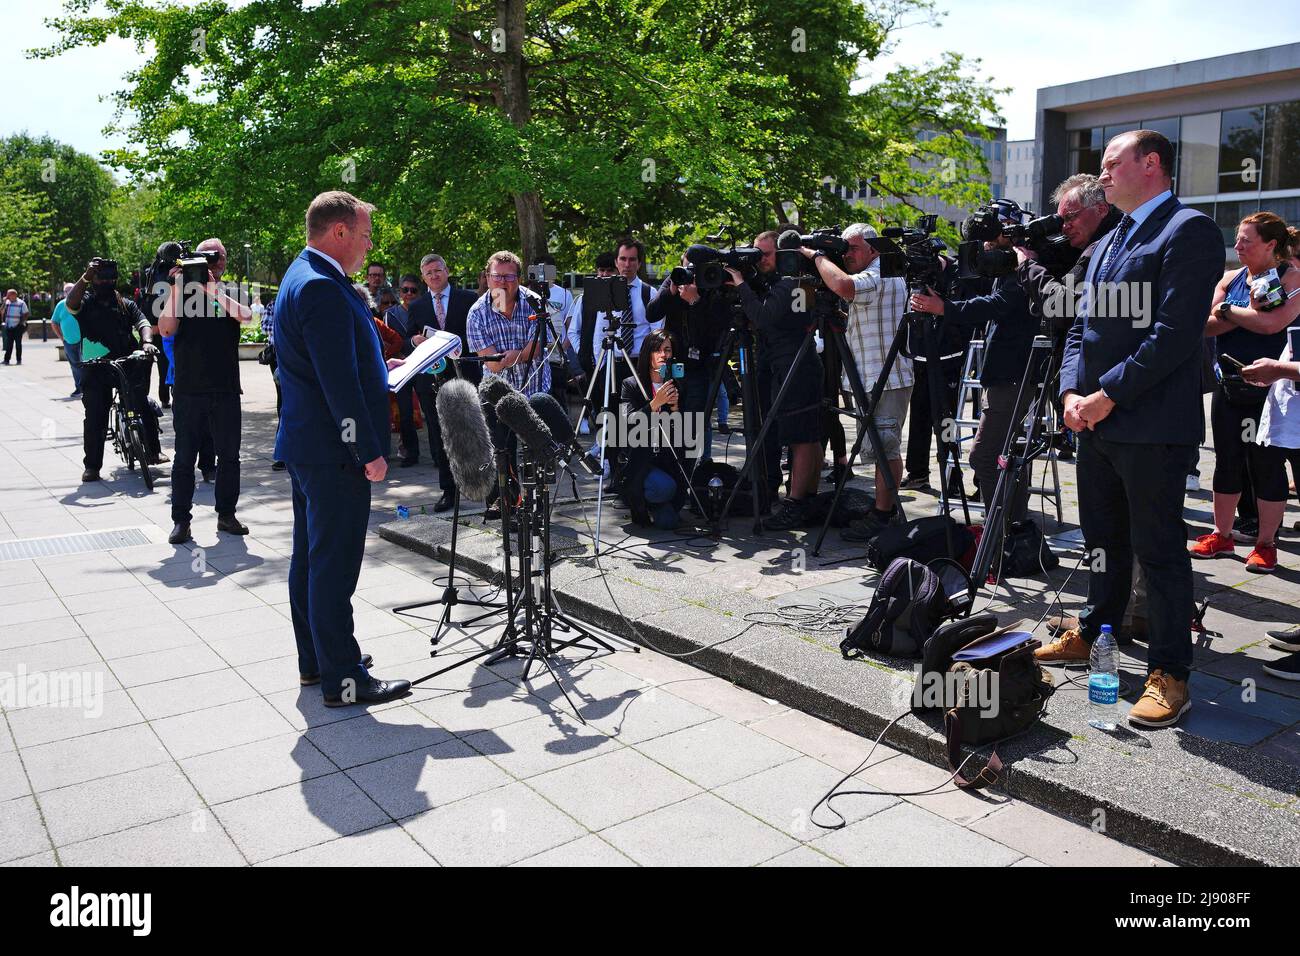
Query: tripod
534	601
829	319
1040	368
929	326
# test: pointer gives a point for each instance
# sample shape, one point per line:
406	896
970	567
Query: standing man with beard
334	437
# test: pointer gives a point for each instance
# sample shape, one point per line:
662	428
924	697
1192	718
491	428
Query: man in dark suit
333	436
441	307
1131	386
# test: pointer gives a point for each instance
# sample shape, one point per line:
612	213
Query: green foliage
26	236
657	117
73	187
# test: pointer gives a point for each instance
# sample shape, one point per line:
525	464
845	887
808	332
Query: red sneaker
1212	545
1263	560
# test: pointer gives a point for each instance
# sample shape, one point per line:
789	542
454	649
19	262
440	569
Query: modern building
1019	183
1234	121
994	148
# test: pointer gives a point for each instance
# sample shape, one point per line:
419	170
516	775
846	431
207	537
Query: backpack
921	539
1025	553
999	692
705	471
909	602
854	503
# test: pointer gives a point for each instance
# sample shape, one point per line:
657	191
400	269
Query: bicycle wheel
137	451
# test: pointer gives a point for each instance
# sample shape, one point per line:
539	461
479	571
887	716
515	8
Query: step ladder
970	396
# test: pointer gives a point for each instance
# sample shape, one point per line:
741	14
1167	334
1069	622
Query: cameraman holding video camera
105	323
206	322
1008	341
782	321
696	320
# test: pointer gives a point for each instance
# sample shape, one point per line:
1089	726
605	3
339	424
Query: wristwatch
1222	309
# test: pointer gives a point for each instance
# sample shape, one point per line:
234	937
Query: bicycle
125	421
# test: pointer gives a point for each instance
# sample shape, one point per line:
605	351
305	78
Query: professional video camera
1043	235
195	266
911	253
793	264
708	266
105	269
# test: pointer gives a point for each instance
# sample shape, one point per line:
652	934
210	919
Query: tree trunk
514	100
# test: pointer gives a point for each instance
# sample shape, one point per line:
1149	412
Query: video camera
105	269
989	223
793	264
195	266
911	253
708	266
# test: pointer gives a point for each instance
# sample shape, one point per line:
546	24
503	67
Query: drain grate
71	544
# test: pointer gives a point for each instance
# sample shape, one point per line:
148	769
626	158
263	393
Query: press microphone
491	390
556	418
790	239
516	414
466	439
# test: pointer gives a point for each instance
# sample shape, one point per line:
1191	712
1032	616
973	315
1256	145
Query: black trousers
920	415
425	391
1131	501
217	416
97	399
14	340
406	422
164	390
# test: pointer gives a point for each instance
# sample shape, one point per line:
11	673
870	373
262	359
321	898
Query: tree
73	187
26	235
503	124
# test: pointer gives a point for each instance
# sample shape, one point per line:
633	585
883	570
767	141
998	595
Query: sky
1019	46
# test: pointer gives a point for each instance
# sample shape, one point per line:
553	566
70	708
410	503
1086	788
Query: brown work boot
1068	648
1162	703
1062	622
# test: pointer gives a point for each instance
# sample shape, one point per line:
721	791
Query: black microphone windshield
789	240
553	414
493	388
517	415
466	440
698	253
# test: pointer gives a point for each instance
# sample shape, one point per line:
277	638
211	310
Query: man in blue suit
1131	387
334	437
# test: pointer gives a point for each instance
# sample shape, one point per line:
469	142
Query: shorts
891	413
800	415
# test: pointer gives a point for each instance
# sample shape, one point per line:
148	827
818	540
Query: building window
1241	138
1282	146
1085	151
1110	132
1198	167
1229	214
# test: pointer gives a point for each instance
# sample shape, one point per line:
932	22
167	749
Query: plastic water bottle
1103	682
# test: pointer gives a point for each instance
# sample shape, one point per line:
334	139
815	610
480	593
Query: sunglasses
409	290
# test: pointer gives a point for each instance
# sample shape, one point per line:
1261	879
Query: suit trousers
406	422
427	394
1131	502
207	424
331	511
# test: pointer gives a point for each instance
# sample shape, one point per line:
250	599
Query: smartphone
1232	361
1293	339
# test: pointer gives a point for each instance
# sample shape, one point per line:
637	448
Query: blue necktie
1112	251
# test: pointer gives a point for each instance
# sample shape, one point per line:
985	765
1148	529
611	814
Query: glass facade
1224	159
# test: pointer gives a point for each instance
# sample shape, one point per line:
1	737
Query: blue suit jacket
333	380
1149	362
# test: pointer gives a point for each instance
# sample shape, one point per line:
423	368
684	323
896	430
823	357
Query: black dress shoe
445	502
277	466
371	691
230	524
180	533
90	474
307	680
209	476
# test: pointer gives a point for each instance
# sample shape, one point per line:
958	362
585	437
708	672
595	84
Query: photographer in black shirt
206	322
697	321
109	325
